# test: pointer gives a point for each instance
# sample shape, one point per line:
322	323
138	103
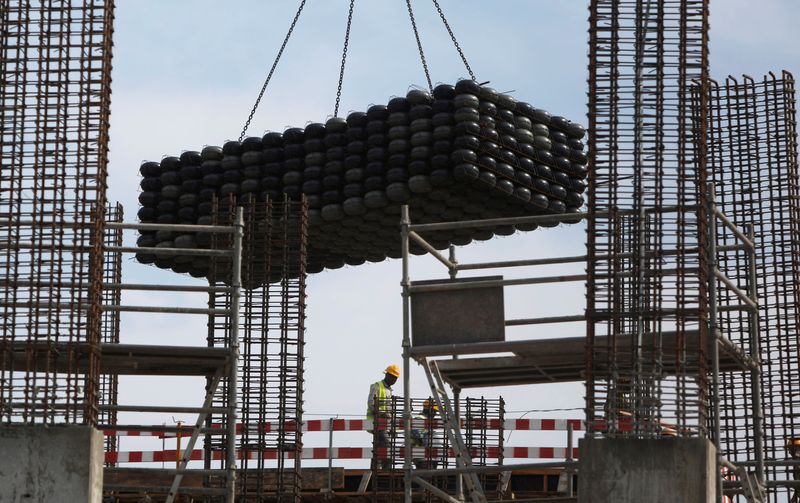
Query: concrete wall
51	464
669	470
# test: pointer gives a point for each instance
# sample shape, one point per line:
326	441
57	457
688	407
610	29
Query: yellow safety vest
383	395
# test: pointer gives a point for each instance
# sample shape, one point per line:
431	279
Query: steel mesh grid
272	334
110	319
55	64
646	232
753	154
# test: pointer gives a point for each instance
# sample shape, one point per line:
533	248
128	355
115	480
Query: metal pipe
452	258
109	308
539	219
163	471
405	224
430	249
772	462
494	469
187	455
165	288
169	251
330	457
522	263
115	286
121	249
493	222
755	352
154	428
163	408
569	458
735	289
456	391
165	310
435	490
734	229
163	489
712	321
584	258
233	388
546	320
457	407
217	229
495	283
731	347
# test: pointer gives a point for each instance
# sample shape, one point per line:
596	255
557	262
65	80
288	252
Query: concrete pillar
668	470
51	464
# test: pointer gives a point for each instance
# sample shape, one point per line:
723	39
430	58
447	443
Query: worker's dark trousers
382	441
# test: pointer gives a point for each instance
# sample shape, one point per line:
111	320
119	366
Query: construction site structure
691	264
477	303
752	160
272	333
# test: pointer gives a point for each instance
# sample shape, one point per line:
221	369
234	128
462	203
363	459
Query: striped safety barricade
533	424
338	453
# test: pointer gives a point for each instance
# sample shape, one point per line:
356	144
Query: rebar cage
752	140
272	340
482	423
110	324
55	75
646	228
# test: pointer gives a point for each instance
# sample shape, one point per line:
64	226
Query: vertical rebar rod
457	402
755	351
404	250
330	457
713	330
570	434
233	370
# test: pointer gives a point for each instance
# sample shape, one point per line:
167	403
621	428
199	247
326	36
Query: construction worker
793	447
423	435
380	394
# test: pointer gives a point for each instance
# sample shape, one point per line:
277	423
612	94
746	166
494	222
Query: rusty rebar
647	150
55	68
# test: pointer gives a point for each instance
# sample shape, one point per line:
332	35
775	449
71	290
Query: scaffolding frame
219	364
737	358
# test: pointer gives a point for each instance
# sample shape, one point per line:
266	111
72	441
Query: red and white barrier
340	453
534	424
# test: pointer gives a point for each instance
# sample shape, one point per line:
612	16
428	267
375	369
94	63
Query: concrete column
51	464
668	470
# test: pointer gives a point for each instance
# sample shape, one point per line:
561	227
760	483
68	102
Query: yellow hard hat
793	442
430	404
393	370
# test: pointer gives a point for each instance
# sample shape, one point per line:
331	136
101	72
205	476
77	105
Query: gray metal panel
460	316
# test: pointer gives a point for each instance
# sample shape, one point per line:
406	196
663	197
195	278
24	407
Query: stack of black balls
466	152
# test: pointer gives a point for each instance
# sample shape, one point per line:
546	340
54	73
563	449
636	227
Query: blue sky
186	73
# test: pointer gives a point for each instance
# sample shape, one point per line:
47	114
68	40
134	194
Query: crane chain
419	45
453	38
344	59
272	70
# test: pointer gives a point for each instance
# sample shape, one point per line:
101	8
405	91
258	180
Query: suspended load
463	152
